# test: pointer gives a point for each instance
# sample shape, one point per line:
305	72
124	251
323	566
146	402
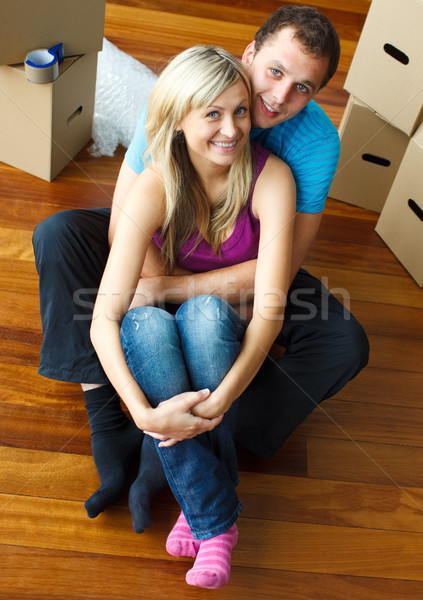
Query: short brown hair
314	31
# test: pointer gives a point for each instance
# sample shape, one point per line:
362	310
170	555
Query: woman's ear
247	57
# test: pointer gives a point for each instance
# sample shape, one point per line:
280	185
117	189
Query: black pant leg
71	250
325	348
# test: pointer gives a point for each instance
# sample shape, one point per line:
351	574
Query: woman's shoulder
275	169
264	159
150	181
149	175
260	155
147	194
275	185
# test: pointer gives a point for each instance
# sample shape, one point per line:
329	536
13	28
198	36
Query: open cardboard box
386	72
43	126
371	153
27	25
400	224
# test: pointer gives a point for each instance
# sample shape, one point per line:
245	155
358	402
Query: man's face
284	78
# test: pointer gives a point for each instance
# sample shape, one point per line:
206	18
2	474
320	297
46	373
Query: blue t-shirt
308	143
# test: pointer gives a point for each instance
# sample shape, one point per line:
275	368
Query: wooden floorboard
54	524
336	514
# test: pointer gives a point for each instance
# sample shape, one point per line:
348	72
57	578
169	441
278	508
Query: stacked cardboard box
371	153
381	141
400	224
45	125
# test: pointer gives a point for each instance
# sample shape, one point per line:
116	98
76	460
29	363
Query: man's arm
234	284
305	230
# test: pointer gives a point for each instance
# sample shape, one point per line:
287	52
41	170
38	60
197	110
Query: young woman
208	200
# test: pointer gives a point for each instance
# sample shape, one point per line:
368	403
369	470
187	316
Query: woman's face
216	134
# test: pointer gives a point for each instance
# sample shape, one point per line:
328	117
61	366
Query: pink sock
212	566
180	541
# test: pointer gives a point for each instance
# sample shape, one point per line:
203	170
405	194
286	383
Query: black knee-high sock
150	480
116	442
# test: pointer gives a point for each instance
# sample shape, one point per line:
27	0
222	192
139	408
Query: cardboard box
387	69
371	153
27	25
44	126
400	224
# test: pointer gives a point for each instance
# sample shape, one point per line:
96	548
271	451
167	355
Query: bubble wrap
122	89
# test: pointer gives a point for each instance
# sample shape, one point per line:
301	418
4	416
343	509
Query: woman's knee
205	309
147	325
207	322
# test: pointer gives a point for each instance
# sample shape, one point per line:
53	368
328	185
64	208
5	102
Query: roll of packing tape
42	66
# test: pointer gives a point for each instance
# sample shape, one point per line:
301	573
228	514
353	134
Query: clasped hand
174	420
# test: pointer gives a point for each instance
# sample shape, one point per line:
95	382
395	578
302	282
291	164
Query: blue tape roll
42	66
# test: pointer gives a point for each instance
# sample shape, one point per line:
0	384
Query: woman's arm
274	205
153	263
143	214
125	180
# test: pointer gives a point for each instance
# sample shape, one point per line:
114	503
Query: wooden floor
337	514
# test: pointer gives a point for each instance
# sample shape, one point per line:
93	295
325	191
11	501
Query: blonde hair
193	79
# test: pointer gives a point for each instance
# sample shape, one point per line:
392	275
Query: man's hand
147	293
156	291
157	285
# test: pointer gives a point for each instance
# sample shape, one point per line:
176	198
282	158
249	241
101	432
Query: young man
293	55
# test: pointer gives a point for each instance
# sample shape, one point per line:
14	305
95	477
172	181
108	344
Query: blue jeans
192	350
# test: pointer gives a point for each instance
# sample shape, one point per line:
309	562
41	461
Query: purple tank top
241	245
